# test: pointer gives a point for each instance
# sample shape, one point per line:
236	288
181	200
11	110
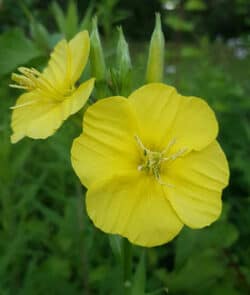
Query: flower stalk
126	266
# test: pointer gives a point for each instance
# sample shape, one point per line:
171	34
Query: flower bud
155	66
97	62
123	63
122	54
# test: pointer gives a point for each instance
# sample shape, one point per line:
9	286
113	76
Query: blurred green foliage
12	42
69	23
226	18
47	243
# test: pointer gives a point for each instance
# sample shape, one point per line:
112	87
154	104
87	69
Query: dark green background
47	243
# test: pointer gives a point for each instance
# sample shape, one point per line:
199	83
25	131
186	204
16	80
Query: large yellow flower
51	96
151	164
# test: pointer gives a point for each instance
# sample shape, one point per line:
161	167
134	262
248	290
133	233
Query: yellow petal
28	107
195	125
58	72
198	180
134	206
36	117
79	47
107	145
156	106
164	115
66	64
77	100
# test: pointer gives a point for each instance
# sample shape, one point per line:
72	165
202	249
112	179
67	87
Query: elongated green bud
97	62
122	54
123	62
155	66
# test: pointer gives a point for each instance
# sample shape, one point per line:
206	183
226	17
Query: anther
29	72
26	81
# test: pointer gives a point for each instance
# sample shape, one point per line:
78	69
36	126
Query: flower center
28	79
152	161
32	79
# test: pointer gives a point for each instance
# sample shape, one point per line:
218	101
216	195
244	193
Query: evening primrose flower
151	164
52	95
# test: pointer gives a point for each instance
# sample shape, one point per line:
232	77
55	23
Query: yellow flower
151	164
51	96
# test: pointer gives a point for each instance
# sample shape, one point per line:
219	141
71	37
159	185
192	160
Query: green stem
127	266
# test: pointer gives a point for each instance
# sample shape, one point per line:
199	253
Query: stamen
152	160
32	72
31	79
170	144
18	86
176	155
22	105
141	145
28	79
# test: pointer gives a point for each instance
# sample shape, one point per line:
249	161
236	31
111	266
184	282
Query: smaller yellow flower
51	95
151	164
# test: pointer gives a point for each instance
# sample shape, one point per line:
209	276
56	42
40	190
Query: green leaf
139	281
71	20
224	289
40	35
59	17
200	270
57	266
86	20
15	50
195	5
158	291
220	235
190	52
178	24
